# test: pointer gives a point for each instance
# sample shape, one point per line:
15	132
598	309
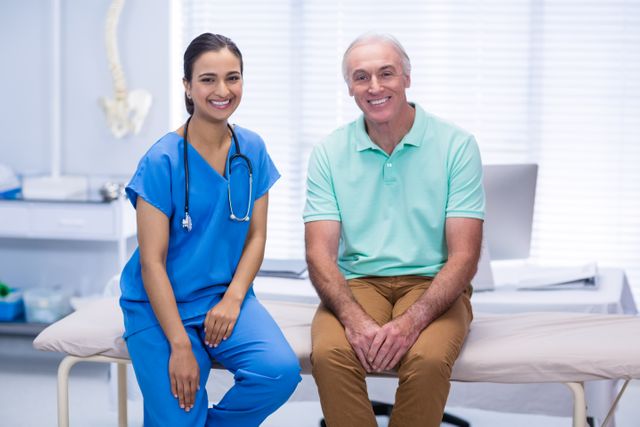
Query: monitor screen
510	195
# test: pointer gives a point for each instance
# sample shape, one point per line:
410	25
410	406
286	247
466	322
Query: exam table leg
579	405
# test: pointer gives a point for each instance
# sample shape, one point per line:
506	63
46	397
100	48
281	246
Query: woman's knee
281	374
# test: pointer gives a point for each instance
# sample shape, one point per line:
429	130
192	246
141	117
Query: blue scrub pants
265	369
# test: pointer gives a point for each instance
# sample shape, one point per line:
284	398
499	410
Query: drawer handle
71	222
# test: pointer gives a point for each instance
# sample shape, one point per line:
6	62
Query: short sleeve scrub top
200	263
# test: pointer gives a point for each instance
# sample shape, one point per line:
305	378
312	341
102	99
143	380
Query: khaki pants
424	372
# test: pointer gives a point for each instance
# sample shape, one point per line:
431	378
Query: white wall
88	147
25	83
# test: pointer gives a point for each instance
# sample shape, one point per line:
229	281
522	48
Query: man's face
377	81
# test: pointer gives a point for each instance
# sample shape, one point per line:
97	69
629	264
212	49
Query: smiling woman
186	291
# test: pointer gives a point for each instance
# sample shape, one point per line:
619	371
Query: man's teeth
378	101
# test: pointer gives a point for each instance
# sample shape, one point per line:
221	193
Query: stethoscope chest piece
186	222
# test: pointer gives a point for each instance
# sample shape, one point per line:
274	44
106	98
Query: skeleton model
127	111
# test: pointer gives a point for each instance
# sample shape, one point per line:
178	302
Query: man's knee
331	358
427	366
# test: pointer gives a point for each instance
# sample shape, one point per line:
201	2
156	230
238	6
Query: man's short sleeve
466	194
321	203
152	182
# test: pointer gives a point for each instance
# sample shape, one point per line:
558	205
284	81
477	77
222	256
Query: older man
393	224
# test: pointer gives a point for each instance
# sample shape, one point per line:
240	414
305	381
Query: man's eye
360	77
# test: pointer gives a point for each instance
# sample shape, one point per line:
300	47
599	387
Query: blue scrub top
201	263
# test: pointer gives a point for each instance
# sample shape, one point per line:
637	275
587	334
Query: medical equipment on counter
9	183
11	303
187	224
55	187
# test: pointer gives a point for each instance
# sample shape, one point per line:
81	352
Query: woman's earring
189	95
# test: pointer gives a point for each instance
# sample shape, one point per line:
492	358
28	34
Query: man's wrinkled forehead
377	53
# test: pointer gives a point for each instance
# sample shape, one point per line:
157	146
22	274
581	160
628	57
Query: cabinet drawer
14	219
73	222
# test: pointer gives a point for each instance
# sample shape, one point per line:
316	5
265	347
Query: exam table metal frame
577	390
94	334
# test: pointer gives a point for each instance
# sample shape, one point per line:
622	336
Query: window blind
556	83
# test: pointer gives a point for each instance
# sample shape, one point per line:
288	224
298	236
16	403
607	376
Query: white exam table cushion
514	348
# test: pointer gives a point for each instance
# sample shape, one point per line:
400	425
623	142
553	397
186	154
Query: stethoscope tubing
187	223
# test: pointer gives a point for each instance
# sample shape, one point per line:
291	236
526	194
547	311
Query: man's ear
350	90
407	84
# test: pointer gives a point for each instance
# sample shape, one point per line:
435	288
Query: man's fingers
363	359
391	354
382	355
378	340
396	359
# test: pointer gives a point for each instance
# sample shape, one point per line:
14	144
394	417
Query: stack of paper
561	278
288	268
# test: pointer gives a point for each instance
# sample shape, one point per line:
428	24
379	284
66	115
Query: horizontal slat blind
556	83
263	30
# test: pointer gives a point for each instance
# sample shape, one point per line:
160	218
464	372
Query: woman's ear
187	87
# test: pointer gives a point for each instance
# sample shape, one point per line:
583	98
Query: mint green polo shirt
392	208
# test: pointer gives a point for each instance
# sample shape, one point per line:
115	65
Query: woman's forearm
163	301
248	267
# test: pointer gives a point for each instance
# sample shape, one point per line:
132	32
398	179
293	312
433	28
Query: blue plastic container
11	306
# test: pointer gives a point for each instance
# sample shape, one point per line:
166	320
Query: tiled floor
28	398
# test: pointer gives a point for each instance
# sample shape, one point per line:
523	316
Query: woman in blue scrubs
186	291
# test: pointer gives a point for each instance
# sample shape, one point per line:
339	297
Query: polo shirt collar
413	137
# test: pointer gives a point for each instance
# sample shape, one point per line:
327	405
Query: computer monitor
510	197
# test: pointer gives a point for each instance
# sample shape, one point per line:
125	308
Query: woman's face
216	85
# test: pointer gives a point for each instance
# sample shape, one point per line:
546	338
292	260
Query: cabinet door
14	220
73	221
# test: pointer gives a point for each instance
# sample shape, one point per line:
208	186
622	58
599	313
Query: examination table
568	348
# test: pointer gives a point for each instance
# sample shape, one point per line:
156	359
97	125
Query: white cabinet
91	221
76	245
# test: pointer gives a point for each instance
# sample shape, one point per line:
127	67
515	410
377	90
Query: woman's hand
185	376
220	321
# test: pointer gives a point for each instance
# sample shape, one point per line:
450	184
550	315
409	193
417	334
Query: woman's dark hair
206	42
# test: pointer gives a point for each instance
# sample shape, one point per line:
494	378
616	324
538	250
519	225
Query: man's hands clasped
380	348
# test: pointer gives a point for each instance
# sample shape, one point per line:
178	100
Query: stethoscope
186	221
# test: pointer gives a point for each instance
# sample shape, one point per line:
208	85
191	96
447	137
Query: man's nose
374	85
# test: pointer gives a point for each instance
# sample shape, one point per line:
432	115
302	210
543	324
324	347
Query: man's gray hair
377	37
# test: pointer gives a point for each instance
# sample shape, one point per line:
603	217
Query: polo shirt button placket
388	173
